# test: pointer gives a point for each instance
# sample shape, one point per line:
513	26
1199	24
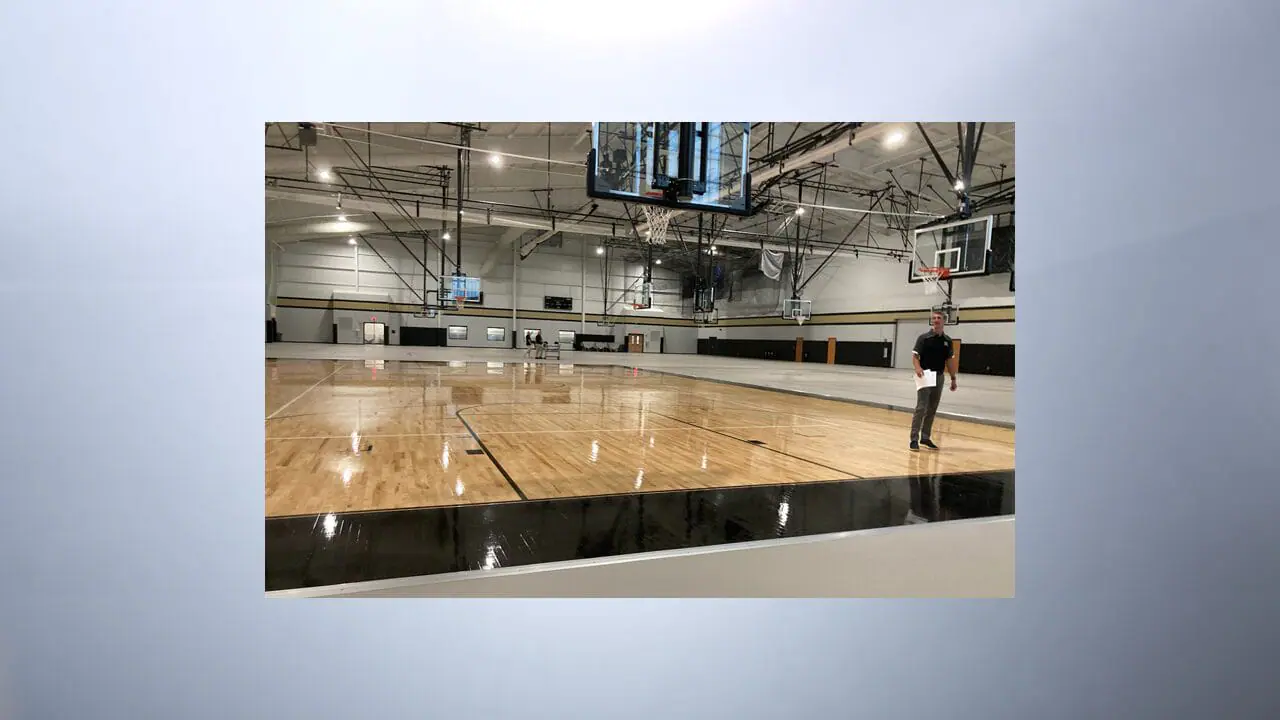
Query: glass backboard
962	247
696	166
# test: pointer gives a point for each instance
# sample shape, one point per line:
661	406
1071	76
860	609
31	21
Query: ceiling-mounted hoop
657	220
933	277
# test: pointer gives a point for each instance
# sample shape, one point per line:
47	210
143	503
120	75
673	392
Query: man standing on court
932	352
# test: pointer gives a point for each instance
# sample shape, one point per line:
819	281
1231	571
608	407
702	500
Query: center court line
304	392
507	476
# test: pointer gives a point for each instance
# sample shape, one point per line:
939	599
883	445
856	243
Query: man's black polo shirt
934	351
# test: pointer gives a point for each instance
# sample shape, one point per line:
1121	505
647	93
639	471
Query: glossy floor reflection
346	436
332	548
383	469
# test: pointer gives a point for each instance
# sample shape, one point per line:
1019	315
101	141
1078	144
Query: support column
800	349
831	351
356	251
515	294
582	293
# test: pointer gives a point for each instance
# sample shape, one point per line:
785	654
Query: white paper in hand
928	380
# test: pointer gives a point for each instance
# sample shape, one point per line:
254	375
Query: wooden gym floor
347	436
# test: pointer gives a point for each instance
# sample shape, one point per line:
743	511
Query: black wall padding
580	340
867	354
986	359
754	349
428	336
870	354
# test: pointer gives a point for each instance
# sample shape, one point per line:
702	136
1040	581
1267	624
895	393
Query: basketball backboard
461	287
797	309
695	166
950	313
962	247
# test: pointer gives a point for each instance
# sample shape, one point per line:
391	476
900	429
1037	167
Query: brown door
635	342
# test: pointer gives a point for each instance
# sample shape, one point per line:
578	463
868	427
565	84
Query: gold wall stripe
888	317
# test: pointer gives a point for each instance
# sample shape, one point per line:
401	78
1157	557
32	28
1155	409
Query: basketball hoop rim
939	273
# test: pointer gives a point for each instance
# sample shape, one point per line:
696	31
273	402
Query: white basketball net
932	278
658	219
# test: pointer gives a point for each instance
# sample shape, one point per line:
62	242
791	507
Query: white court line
828	423
547	432
304	392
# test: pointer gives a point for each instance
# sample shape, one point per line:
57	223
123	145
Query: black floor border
646	493
507	476
315	551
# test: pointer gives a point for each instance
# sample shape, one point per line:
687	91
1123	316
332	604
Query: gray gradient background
131	550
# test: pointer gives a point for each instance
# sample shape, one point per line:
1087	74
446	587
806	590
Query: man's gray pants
926	407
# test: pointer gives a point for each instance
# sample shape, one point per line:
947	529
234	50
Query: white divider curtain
771	264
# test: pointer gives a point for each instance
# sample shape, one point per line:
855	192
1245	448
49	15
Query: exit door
375	333
635	342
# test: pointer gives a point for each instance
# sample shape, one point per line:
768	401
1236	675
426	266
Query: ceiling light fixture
351	241
446	235
895	139
599	251
325	175
959	185
799	211
495	160
658	261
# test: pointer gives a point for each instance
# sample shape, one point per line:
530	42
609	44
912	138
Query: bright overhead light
799	211
658	261
351	241
326	175
713	248
599	251
895	138
959	185
495	160
342	218
445	236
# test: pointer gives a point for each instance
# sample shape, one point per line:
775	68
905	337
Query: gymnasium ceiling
886	166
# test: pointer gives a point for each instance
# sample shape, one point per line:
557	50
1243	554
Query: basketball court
727	313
